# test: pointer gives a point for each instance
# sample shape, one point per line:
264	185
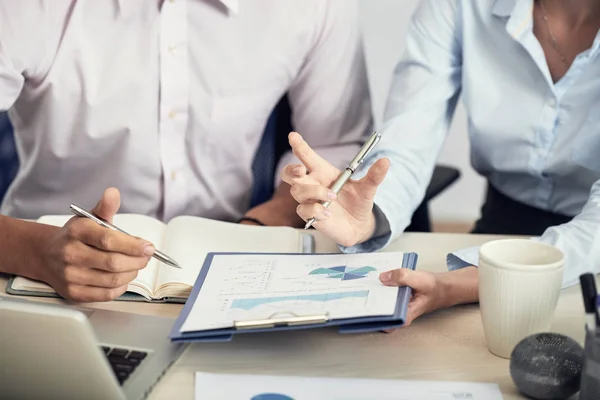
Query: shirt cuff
379	239
463	258
382	225
467	257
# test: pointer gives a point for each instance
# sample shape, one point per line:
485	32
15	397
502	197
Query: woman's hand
432	291
349	219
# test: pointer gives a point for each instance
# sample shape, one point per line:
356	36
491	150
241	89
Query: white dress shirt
536	141
168	101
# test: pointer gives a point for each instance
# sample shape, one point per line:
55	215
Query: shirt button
172	114
172	48
173	175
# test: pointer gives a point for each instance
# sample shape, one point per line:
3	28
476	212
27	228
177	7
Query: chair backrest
9	160
273	145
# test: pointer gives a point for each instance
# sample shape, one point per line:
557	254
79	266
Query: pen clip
364	151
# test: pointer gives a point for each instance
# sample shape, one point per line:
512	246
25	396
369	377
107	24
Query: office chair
9	160
274	144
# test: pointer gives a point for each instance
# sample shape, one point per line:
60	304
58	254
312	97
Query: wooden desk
445	345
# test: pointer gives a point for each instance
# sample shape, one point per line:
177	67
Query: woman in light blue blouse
529	75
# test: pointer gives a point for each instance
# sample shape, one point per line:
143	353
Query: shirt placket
546	137
174	95
551	121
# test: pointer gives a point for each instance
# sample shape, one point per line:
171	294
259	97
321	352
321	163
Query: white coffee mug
519	286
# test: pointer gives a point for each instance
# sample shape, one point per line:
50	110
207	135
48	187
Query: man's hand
349	219
86	262
431	291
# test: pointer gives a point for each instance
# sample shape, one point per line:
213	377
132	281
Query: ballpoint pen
589	292
354	164
597	308
81	212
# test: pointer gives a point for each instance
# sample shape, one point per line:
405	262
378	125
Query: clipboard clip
274	321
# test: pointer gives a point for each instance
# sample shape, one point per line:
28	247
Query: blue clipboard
347	325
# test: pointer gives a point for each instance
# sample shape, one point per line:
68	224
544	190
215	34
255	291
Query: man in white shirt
167	102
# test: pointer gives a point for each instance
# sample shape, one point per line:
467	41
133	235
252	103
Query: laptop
58	352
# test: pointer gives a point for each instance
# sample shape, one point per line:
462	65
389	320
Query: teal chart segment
271	396
343	272
248	304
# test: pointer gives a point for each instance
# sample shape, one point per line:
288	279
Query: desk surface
446	345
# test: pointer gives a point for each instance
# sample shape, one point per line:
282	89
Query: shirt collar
125	6
518	15
504	8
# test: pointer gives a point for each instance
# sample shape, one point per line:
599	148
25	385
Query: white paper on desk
262	387
247	287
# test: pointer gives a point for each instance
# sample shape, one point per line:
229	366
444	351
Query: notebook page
189	239
137	225
149	229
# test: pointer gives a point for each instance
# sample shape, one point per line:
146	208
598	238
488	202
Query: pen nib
309	223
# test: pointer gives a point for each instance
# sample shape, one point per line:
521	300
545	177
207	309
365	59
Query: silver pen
354	164
81	212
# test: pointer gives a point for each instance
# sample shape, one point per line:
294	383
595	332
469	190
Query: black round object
547	366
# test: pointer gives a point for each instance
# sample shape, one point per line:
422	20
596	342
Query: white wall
384	24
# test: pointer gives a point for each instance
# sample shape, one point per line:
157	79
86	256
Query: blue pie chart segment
271	396
344	273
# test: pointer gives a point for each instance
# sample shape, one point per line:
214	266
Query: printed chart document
251	287
261	387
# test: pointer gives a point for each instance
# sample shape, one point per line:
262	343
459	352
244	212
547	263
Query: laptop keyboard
123	361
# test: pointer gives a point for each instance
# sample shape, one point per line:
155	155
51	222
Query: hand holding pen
81	212
342	208
83	260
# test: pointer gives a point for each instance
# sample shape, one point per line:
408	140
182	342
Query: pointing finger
306	154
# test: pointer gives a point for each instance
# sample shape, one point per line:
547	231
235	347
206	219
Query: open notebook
187	240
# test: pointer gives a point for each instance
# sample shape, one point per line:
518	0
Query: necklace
552	37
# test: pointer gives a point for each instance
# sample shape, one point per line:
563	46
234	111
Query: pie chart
343	272
271	396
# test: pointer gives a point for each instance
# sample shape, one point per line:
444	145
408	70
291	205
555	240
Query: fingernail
327	213
297	171
149	250
331	194
386	276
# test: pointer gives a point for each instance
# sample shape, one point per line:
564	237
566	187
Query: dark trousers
505	216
